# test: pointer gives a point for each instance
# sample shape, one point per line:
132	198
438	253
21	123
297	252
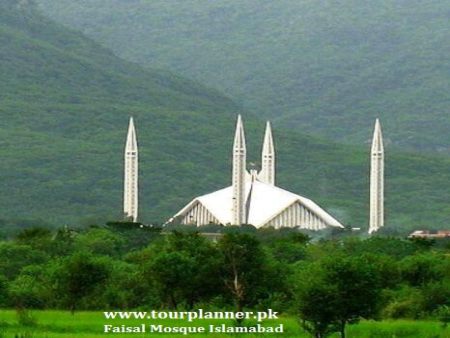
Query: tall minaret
377	181
130	196
239	174
267	173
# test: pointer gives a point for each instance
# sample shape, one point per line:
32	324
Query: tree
287	251
26	291
37	237
338	291
244	268
63	241
77	276
435	294
185	269
394	247
99	241
171	273
317	301
423	268
136	236
4	299
16	256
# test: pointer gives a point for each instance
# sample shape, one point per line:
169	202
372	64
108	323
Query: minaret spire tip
267	173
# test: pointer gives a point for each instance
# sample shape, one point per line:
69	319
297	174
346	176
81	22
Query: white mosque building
253	198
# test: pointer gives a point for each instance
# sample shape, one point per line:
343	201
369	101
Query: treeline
327	283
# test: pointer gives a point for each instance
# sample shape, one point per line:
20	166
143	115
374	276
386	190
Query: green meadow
53	323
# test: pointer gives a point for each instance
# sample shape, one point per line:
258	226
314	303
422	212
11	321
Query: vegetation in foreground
326	285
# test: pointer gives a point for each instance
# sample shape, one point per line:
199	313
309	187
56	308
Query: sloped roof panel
266	201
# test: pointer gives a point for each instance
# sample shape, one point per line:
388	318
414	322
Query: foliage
331	286
391	246
338	291
66	100
28	291
134	240
317	303
242	267
78	276
25	318
99	241
37	237
435	295
404	305
4	297
16	256
419	270
443	314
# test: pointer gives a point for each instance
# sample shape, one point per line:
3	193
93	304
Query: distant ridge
327	67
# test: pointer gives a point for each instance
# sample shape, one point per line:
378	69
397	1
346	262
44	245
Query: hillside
65	108
65	104
324	67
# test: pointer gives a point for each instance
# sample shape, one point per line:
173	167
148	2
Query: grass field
54	324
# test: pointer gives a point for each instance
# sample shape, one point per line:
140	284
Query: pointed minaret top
267	173
268	141
131	144
377	141
239	137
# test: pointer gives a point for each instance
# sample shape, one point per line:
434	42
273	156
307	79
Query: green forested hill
325	67
65	104
64	109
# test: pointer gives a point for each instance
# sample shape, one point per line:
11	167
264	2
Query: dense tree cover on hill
328	284
325	67
65	104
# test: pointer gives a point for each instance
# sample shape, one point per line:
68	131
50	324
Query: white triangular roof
266	202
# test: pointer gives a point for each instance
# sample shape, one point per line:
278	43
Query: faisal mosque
253	197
